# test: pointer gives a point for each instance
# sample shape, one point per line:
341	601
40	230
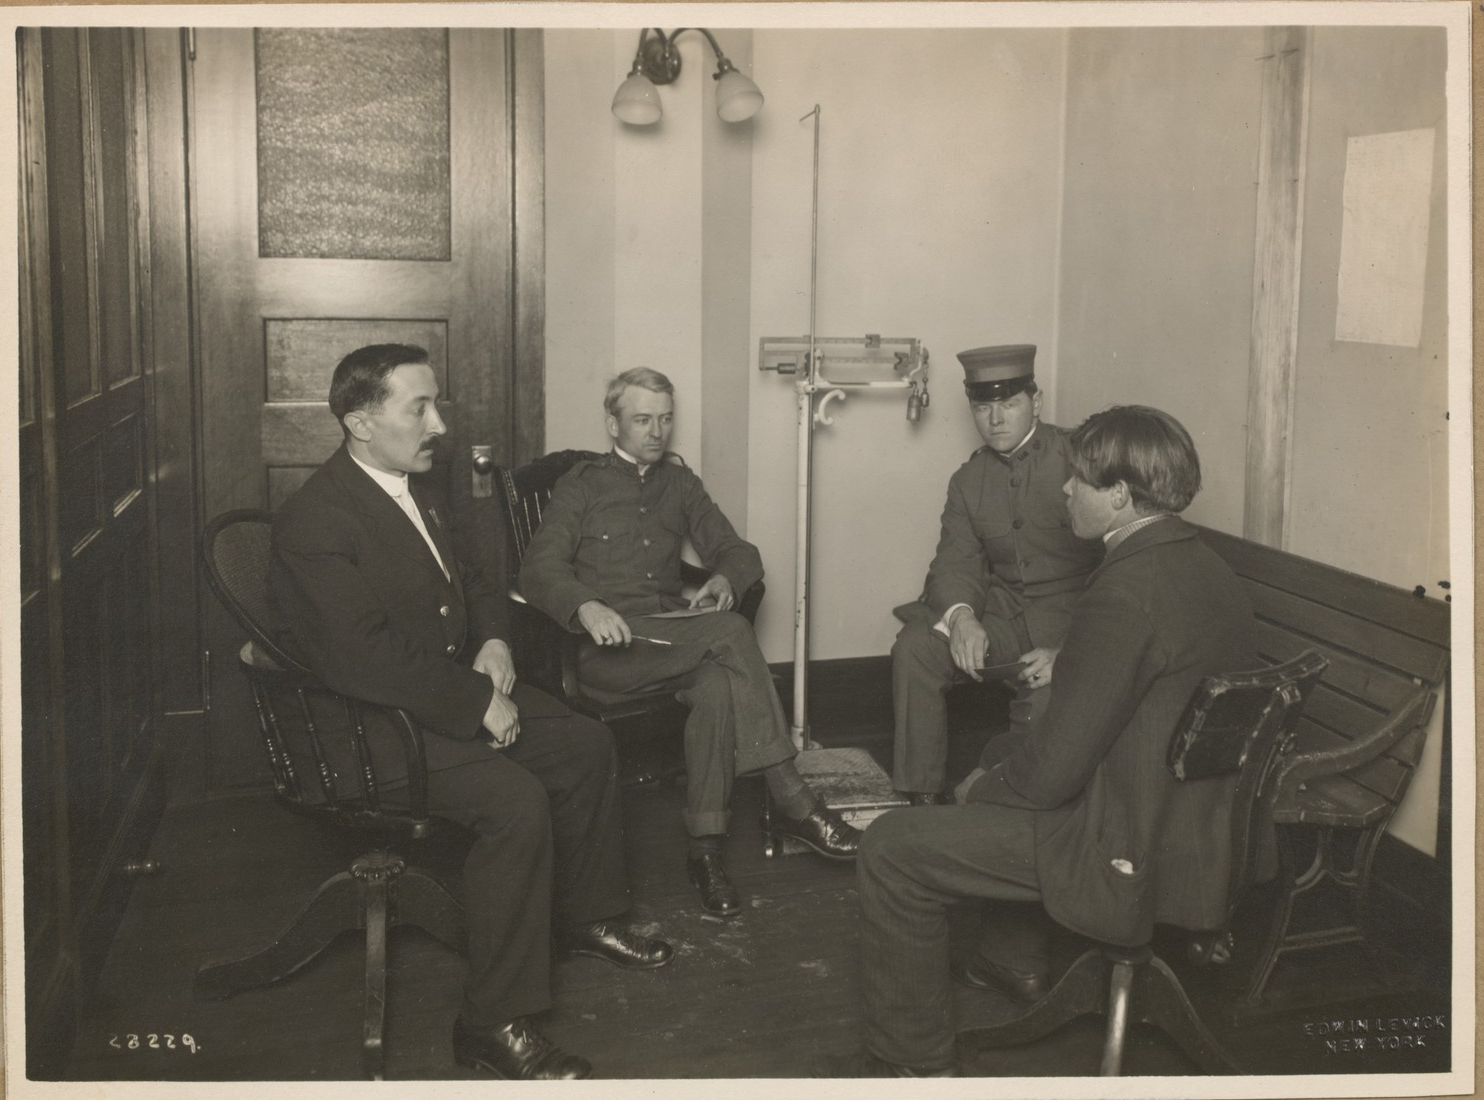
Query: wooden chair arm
545	652
269	677
1300	767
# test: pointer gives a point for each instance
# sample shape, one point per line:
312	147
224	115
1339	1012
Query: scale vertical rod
806	388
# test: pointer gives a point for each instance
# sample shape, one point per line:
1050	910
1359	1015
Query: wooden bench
1359	739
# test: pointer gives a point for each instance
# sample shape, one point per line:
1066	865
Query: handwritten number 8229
153	1041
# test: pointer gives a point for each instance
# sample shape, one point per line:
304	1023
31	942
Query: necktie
409	506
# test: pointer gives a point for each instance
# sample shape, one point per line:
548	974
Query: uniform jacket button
643	510
452	649
1014	482
1017	524
443	611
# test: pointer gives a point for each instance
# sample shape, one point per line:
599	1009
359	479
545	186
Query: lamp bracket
658	59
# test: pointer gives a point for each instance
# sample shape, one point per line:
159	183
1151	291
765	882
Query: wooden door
90	695
351	186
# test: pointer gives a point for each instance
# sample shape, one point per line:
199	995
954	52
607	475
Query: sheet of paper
682	613
1383	238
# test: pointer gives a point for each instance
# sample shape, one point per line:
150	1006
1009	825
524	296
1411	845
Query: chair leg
377	878
422	901
1079	993
1160	1000
335	908
1120	988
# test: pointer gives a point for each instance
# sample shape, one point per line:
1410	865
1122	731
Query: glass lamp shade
737	97
637	101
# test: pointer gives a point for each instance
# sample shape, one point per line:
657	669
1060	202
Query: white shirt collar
394	484
1118	534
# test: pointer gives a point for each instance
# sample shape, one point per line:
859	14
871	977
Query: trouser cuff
710	823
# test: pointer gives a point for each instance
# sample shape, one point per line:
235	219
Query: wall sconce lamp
657	61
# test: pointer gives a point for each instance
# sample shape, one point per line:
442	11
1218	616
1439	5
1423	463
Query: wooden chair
545	652
1238	723
379	891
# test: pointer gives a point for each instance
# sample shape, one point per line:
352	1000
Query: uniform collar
640	468
1009	456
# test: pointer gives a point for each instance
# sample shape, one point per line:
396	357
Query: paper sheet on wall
1383	238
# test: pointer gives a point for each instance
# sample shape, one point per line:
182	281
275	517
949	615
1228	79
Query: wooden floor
761	996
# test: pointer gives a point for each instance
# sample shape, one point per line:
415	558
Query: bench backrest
1388	654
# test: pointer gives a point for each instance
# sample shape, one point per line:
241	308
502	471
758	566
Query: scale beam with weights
827	368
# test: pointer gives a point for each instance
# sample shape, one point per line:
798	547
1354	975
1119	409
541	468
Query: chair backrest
1241	723
525	492
236	547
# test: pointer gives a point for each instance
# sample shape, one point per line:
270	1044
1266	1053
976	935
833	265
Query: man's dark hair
1145	448
360	380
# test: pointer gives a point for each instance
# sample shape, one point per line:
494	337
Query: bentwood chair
298	718
1238	724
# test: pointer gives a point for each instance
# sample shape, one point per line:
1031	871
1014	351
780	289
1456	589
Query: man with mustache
365	589
1005	576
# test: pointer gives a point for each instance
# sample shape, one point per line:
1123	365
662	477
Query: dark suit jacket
355	594
1161	612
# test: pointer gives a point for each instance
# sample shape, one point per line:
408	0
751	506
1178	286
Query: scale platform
850	782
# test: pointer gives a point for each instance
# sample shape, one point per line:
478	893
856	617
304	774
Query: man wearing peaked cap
1006	573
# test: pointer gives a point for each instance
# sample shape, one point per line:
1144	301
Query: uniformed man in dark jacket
606	560
1007	571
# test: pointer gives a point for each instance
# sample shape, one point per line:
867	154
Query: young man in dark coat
365	589
1079	813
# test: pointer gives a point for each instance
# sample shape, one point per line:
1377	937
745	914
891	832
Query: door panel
352	187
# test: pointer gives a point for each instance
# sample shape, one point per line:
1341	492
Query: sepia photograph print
856	550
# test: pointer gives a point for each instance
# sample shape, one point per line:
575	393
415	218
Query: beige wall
1156	296
647	250
1369	486
1156	299
939	201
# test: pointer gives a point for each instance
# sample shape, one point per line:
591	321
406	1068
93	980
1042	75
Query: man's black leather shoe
708	874
926	798
1024	987
824	830
617	943
516	1052
866	1064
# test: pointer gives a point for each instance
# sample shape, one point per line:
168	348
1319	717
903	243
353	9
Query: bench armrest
1299	767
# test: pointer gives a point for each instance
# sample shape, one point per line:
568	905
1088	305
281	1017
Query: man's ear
612	422
1121	495
355	424
1036	404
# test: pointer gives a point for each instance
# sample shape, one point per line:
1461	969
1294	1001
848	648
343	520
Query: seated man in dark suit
1079	813
606	559
364	588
